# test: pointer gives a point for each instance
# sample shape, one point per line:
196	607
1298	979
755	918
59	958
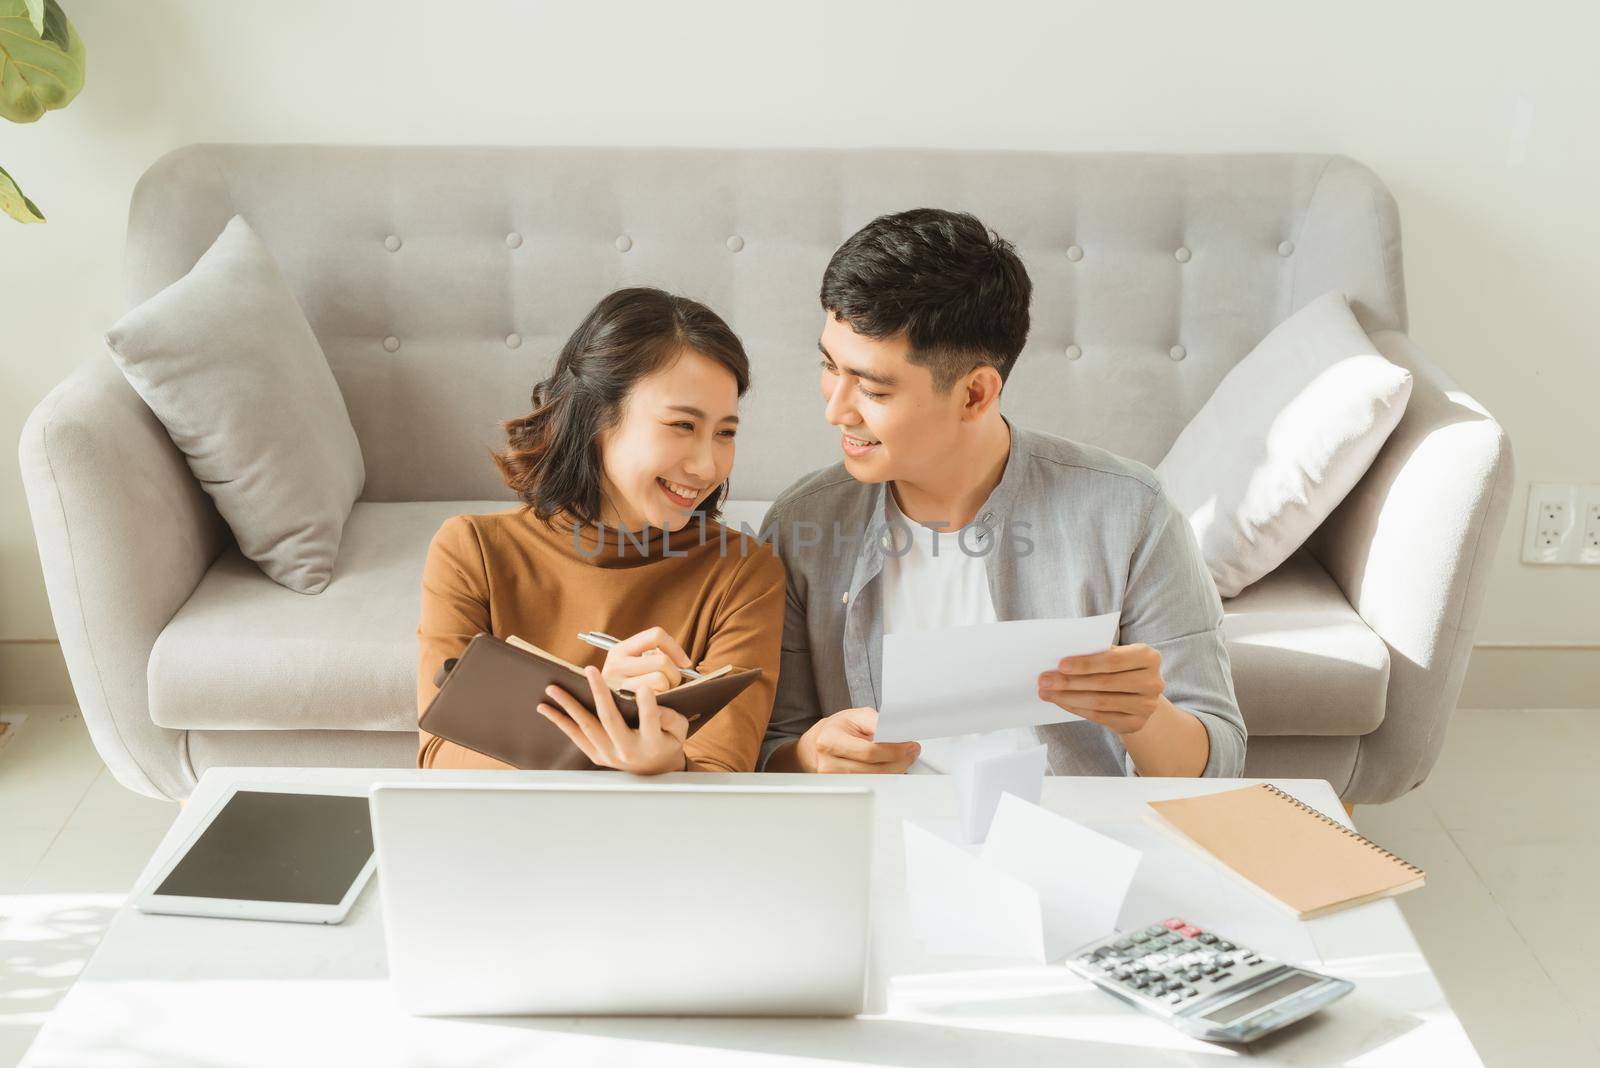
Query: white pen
601	640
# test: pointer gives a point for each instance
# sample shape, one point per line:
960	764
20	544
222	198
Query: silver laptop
625	899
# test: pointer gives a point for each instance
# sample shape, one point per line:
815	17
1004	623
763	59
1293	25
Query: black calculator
1203	984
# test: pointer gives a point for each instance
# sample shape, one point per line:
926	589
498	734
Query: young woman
621	468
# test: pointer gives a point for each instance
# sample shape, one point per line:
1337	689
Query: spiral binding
1341	828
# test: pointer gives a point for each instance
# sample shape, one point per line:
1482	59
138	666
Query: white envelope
980	782
1040	886
967	680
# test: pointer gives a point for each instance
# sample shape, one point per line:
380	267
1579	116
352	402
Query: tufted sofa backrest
441	281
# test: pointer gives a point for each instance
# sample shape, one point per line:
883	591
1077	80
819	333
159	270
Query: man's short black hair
955	288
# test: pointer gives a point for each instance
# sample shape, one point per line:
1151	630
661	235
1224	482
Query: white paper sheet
961	906
1040	886
965	680
1081	875
981	782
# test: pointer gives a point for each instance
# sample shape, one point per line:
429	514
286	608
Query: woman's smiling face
672	444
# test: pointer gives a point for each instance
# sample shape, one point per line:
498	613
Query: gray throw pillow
226	360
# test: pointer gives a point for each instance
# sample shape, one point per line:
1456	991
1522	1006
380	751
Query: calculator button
1192	974
1142	936
1188	932
1155	929
1173	924
1225	946
1122	943
1208	938
1209	968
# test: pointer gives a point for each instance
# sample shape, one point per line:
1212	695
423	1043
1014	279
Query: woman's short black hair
552	458
957	290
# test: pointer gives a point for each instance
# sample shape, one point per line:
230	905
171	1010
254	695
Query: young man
943	514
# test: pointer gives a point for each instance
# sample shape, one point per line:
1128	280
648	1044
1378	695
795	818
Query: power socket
1589	542
1563	525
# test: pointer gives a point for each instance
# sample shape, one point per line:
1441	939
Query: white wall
1477	126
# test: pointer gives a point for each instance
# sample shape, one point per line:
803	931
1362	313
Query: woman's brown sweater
720	593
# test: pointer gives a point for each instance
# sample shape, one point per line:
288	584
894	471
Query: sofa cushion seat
245	653
1304	663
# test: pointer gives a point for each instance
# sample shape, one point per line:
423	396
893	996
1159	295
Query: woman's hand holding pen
651	659
607	740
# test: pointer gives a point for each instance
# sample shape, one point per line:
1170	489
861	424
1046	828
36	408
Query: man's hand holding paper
843	743
1120	688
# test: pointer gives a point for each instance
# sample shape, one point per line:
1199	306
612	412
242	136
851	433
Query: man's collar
994	509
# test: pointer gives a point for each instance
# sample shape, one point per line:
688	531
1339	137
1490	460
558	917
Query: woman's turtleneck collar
606	546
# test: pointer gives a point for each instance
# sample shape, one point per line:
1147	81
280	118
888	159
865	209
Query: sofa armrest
1411	546
125	533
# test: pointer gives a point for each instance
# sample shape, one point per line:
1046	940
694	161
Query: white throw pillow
1289	431
226	360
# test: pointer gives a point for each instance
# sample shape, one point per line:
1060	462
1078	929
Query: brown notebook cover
1310	863
488	698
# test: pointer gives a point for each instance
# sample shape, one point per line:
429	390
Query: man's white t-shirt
932	584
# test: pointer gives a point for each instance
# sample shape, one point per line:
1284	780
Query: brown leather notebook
488	697
1307	862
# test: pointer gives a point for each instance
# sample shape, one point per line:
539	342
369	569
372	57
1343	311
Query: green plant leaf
40	70
36	15
56	29
15	204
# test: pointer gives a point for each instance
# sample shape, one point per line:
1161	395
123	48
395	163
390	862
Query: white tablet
297	853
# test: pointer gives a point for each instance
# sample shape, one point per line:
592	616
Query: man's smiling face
893	424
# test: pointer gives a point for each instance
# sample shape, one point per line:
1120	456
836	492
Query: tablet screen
262	846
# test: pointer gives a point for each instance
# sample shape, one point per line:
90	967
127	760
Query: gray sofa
441	281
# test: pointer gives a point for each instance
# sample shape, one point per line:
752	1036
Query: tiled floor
1506	828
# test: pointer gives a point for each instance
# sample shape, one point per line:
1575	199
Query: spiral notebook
1307	862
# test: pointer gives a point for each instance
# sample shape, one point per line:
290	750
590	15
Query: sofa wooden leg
1349	809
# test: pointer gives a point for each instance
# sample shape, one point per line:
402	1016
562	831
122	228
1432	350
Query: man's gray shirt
1071	530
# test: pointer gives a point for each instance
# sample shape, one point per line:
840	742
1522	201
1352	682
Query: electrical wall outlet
1589	536
1563	525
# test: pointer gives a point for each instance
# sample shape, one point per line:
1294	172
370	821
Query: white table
165	990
